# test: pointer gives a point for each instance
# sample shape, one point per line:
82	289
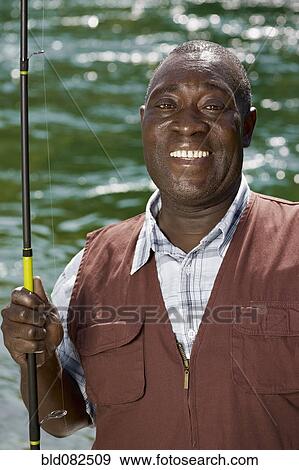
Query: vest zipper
186	363
186	366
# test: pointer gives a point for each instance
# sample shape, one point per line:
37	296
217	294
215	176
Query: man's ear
141	112
248	126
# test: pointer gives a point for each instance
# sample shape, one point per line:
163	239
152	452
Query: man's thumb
39	289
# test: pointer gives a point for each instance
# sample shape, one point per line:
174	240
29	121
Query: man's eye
213	107
165	105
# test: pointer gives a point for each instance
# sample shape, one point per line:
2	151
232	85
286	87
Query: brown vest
243	387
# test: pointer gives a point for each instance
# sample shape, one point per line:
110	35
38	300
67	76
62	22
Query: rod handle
28	269
34	428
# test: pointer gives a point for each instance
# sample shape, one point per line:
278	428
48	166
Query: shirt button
188	269
191	334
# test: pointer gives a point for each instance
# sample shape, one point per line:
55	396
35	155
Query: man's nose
189	121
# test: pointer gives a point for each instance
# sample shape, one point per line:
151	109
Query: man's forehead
208	85
202	80
192	61
186	68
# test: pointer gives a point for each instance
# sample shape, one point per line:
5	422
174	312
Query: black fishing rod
34	427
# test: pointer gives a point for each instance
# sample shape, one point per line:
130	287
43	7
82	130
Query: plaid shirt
186	279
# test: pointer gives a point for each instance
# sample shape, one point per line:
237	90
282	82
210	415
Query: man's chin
191	195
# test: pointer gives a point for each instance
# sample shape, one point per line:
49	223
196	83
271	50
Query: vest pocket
113	361
265	348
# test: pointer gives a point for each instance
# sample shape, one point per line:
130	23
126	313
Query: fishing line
55	414
77	106
48	140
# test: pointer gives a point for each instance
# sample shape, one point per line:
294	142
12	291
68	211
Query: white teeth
189	153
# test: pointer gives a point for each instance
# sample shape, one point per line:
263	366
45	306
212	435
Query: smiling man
181	324
195	122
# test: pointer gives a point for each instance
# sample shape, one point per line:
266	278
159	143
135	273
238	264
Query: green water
86	156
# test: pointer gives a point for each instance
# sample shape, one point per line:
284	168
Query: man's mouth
189	154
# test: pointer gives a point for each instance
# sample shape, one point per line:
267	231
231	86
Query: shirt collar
151	237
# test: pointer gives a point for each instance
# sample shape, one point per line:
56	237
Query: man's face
192	108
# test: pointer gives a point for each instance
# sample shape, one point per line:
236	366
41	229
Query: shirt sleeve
66	351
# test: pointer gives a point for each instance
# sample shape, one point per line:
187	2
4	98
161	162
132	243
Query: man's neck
186	226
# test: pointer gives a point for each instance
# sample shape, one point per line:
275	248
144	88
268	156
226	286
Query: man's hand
31	325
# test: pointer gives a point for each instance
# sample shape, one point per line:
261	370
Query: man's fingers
22	346
22	296
26	332
21	314
39	289
31	324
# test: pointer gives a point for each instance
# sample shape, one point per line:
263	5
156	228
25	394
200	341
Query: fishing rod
34	427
